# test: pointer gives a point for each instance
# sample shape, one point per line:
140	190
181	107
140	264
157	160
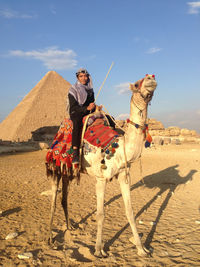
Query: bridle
141	106
146	98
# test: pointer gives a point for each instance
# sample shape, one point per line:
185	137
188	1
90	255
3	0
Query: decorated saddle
97	134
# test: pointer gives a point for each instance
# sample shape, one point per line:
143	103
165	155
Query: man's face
83	78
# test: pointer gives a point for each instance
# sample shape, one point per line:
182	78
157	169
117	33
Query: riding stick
104	81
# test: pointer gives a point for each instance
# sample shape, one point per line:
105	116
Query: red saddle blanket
61	148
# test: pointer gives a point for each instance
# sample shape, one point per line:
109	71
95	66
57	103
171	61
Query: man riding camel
81	103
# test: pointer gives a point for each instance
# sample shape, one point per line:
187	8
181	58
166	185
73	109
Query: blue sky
140	37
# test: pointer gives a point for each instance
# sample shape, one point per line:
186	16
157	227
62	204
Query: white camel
130	148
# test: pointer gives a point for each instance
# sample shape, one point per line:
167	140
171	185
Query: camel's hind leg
65	191
54	187
125	189
100	192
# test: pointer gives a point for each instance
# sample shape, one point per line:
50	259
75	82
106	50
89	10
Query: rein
144	128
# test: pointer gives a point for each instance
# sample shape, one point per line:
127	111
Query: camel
130	149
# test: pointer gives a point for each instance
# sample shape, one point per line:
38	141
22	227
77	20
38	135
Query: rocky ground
166	204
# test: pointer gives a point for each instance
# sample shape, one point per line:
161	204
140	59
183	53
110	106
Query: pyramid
44	105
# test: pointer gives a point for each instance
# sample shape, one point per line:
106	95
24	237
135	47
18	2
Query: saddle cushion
100	135
97	134
60	149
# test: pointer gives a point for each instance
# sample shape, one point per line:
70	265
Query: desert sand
165	198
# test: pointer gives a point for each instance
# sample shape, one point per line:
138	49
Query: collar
144	128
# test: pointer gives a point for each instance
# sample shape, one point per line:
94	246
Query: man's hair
81	70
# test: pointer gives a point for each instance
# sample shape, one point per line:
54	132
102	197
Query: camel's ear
137	85
131	86
134	86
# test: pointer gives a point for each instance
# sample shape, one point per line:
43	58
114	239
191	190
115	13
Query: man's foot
75	159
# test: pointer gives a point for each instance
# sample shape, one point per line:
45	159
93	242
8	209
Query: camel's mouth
149	90
148	96
151	85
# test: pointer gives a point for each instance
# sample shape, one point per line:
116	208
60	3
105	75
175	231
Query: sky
140	37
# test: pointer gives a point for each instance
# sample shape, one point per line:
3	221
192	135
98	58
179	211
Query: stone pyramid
44	105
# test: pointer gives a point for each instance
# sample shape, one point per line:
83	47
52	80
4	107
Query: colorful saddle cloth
97	135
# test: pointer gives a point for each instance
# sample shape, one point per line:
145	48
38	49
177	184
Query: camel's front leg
125	189
100	192
54	188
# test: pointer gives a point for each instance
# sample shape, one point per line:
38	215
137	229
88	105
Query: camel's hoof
100	254
71	225
144	252
67	236
50	241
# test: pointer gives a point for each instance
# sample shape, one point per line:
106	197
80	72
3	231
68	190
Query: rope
125	157
83	133
124	148
141	170
112	118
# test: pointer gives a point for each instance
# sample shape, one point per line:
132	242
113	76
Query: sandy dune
167	209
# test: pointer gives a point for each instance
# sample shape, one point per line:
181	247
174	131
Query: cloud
51	57
11	14
123	116
153	50
136	39
194	7
88	58
123	88
53	9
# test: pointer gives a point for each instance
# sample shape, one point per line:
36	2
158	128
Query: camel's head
145	87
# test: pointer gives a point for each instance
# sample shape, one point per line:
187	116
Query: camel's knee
129	214
54	187
64	202
100	216
64	199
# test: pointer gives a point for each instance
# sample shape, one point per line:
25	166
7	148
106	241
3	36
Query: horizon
120	117
161	38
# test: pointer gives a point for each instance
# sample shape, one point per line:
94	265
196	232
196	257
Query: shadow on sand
10	211
167	180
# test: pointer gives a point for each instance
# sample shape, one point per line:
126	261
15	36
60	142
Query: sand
167	209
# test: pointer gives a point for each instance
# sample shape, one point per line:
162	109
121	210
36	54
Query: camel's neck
137	115
134	137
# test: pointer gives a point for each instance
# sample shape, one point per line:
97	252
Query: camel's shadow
10	211
167	180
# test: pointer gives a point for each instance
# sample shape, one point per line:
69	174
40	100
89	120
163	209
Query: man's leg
76	136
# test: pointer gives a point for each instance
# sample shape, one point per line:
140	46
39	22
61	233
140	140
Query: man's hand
91	106
100	108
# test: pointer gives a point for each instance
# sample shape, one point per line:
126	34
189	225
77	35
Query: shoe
75	159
